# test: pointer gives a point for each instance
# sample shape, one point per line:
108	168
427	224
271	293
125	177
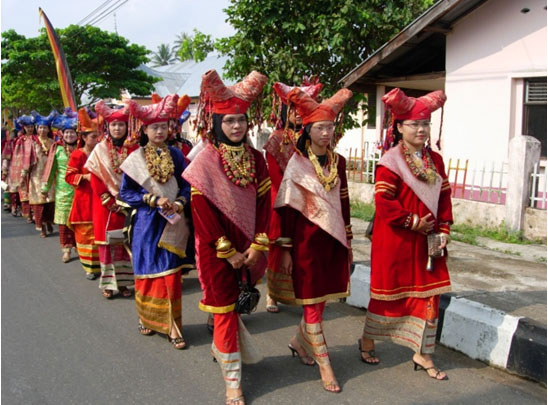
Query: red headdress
216	98
312	111
111	114
155	98
403	107
182	103
161	111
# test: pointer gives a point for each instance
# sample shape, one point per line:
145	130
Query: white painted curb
479	331
360	286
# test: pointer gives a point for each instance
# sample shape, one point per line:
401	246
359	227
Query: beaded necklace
330	181
160	165
238	164
422	167
116	159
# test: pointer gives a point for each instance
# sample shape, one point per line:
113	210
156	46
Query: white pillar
523	154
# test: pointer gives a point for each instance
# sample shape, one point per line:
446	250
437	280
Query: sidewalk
497	310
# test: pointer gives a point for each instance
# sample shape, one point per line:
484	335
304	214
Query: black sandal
125	292
418	367
371	354
177	341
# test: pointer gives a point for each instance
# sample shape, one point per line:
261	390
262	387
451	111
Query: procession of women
140	207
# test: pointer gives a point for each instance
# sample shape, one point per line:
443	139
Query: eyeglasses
416	124
322	128
233	121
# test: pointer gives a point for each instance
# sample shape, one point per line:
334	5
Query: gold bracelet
226	254
284	242
416	221
259	247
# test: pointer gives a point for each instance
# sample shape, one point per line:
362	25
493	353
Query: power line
89	16
108	12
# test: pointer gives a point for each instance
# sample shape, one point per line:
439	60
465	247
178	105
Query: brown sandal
107	294
125	292
144	330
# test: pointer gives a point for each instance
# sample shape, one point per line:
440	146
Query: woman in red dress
412	200
278	150
230	205
315	229
81	215
106	177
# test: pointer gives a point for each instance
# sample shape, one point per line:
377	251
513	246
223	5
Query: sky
143	22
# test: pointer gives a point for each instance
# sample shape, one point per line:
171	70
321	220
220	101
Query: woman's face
321	133
90	140
29	129
294	118
69	136
415	133
157	133
43	130
234	127
117	129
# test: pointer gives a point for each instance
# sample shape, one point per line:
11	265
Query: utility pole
115	26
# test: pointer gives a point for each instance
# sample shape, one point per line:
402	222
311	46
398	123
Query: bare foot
329	382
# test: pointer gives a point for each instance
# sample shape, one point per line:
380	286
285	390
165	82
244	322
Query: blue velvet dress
148	225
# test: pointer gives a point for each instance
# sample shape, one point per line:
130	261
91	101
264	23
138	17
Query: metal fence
360	165
538	187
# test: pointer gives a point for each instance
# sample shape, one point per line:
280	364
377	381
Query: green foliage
287	39
362	210
469	234
164	56
101	64
195	47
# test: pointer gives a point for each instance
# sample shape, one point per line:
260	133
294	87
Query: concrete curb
515	344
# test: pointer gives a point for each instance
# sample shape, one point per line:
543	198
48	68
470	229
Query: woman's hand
286	262
165	205
425	226
443	241
237	260
252	256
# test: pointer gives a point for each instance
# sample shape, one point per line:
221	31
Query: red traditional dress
23	158
315	227
228	216
7	154
404	294
279	148
81	214
106	177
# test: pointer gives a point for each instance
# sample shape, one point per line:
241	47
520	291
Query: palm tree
183	39
164	56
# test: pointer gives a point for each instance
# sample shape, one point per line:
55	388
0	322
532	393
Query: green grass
362	210
469	234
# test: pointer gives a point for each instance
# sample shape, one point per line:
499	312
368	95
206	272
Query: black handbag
249	296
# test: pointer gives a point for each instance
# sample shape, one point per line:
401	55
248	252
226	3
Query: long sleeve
345	197
445	211
131	192
74	174
46	186
264	202
205	218
100	189
387	206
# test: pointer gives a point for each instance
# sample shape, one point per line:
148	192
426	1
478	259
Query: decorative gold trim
156	275
260	248
173	249
409	294
216	310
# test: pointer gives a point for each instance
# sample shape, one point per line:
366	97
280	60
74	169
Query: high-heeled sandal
302	359
417	367
331	386
144	330
271	305
125	292
236	400
178	342
371	354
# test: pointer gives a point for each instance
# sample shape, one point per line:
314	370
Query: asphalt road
62	343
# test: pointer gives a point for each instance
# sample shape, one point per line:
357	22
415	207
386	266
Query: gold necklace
45	149
238	164
160	165
330	181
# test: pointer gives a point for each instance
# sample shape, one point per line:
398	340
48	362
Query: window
534	111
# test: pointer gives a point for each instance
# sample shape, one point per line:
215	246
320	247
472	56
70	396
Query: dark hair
305	136
143	137
397	134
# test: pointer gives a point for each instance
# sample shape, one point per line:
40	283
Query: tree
196	46
102	64
287	39
164	56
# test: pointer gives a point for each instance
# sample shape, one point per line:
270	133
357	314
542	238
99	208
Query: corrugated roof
186	77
